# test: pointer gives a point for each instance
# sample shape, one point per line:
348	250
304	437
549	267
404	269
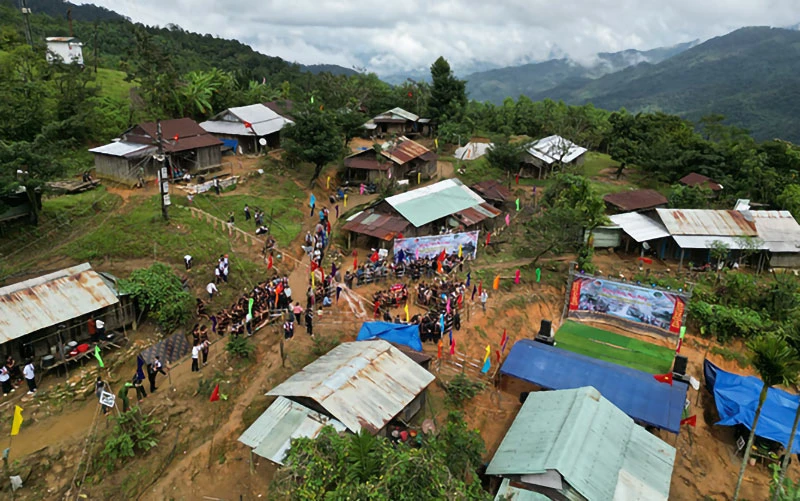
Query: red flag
175	137
488	238
279	289
439	267
329	227
517	179
646	260
453	347
664	378
480	287
355	263
269	262
498	356
691	421
678	348
374	258
503	340
248	125
439	353
399	236
442	255
214	394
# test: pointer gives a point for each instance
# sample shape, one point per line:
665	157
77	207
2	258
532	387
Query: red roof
695	179
382	226
636	199
363	161
473	215
190	135
406	150
492	190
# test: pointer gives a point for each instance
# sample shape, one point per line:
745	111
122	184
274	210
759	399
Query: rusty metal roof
706	222
477	214
51	299
365	160
492	190
695	179
374	224
404	150
363	384
636	199
190	135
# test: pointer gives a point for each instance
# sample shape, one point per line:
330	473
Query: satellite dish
262	142
159	158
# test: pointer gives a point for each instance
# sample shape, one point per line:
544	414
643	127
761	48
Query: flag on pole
345	200
312	279
312	99
469	277
516	277
250	303
460	251
496	283
439	351
683	331
419	178
538	275
439	267
487	362
488	238
214	394
269	262
442	255
16	424
497	352
480	287
328	183
503	341
452	345
517	178
441	323
691	421
97	356
517	205
678	347
139	368
508	220
664	378
436	142
405	309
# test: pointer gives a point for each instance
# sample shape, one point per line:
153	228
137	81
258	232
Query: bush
240	347
159	290
133	432
461	388
724	322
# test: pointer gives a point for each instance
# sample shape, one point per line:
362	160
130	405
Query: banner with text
656	308
432	246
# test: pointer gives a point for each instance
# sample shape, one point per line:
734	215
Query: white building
67	49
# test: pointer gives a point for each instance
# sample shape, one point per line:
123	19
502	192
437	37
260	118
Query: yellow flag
460	250
345	199
419	178
488	353
406	310
328	183
312	279
436	142
17	423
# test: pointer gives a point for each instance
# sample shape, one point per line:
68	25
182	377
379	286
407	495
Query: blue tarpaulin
407	335
737	400
635	393
232	143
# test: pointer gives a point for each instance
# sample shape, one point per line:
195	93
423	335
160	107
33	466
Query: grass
731	355
614	348
111	83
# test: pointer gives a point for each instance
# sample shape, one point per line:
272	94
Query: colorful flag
487	362
683	331
214	394
678	347
691	421
439	351
328	183
419	178
355	263
442	255
496	283
441	324
460	251
279	289
16	424
250	303
139	368
405	308
269	262
488	238
480	287
516	277
248	125
439	267
312	280
664	378
503	341
312	201
488	352
375	257
538	275
436	142
508	220
452	345
516	179
469	277
517	205
97	356
345	200
497	352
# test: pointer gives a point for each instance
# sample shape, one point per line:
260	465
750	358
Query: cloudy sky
392	37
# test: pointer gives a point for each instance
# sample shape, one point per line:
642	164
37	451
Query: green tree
777	364
505	155
789	199
351	124
448	93
158	289
689	197
314	138
571	191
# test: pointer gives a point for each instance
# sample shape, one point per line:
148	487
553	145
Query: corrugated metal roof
190	135
636	199
708	222
124	149
365	160
471	151
262	118
363	384
595	447
477	214
640	228
403	150
551	149
427	204
778	229
271	435
51	299
707	241
397	113
695	179
375	224
508	493
492	190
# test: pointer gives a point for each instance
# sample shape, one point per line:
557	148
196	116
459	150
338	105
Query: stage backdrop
432	246
656	308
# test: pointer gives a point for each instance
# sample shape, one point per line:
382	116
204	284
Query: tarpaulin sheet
407	335
635	393
736	398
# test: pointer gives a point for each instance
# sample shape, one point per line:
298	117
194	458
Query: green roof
442	199
595	447
508	493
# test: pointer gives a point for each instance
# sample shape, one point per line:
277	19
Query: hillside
528	79
750	76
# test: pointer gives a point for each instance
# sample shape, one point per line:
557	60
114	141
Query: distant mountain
752	76
333	69
58	9
528	79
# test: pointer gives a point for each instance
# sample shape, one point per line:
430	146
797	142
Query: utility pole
69	20
163	177
95	46
26	14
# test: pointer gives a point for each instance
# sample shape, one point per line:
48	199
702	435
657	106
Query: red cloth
374	258
214	394
664	378
517	179
691	421
355	263
488	238
453	347
269	262
442	255
279	289
439	352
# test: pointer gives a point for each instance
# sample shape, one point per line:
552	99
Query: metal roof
404	150
477	214
397	113
365	160
509	493
124	149
706	242
492	190
262	118
471	151
51	299
375	224
190	135
695	179
636	199
778	230
70	40
598	450
551	148
271	435
427	204
707	222
639	227
363	384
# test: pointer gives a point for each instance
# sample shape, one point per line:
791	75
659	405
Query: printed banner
657	308
432	246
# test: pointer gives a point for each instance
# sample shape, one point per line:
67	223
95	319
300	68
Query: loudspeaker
680	365
546	328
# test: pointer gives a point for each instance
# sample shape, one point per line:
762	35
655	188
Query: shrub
158	290
133	432
240	347
461	388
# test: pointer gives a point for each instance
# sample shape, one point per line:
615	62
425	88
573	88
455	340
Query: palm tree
786	455
777	364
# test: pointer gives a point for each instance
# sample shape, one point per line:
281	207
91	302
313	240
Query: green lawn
112	84
603	345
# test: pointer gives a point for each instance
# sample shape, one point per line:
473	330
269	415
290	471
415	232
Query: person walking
211	289
484	298
310	322
196	357
206	344
30	377
298	312
99	388
187	261
246	212
152	370
5	381
216	186
288	330
139	387
140	177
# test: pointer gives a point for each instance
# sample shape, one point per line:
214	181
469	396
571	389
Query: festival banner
432	246
657	308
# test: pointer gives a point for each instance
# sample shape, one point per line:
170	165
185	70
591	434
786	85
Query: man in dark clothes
309	322
153	369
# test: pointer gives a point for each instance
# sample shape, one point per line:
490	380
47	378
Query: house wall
784	260
121	169
197	160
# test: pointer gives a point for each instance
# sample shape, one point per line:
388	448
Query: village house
398	122
248	129
698	180
186	148
545	155
65	49
635	201
399	159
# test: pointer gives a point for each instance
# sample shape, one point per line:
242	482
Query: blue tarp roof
737	399
407	335
635	393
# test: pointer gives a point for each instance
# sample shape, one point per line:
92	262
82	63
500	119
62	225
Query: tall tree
448	94
314	138
777	364
505	155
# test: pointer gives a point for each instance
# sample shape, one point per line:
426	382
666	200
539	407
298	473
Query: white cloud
395	36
